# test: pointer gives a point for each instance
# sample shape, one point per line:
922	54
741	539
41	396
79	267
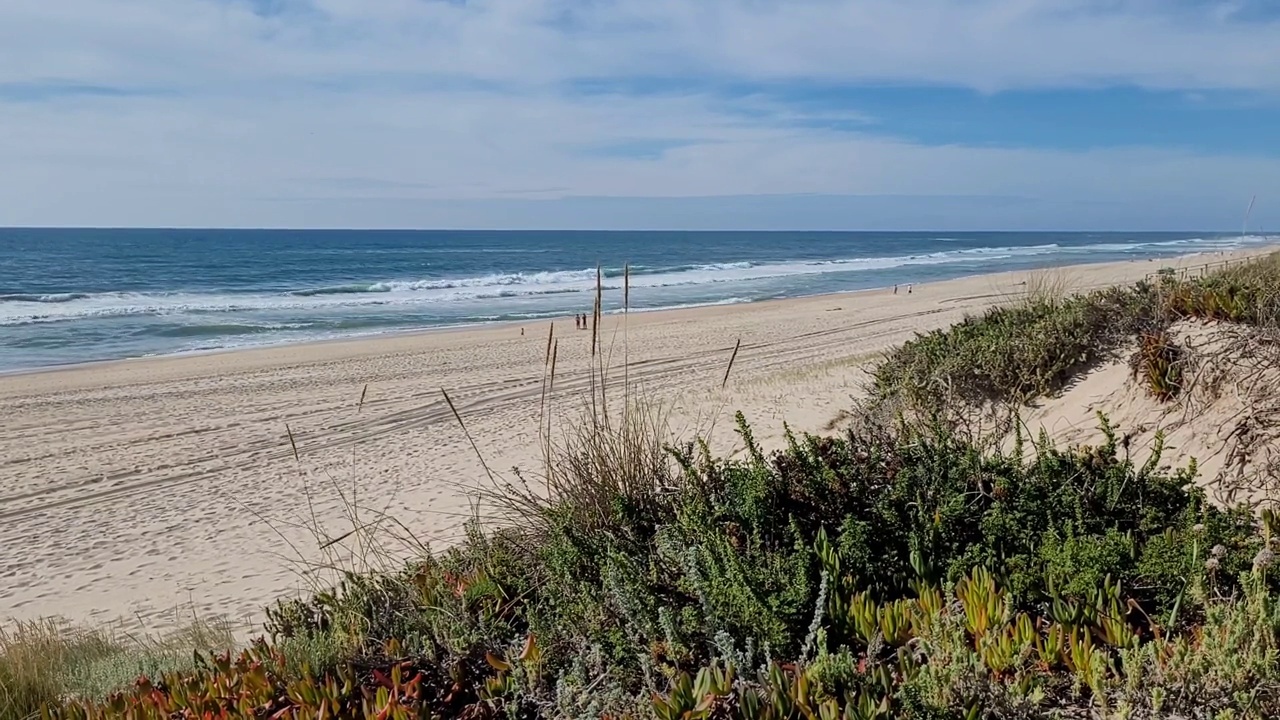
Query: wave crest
432	296
42	298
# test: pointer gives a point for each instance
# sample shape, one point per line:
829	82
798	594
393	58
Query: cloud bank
610	113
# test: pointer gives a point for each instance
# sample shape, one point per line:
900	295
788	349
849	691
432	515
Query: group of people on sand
581	322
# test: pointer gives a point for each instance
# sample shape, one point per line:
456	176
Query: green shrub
743	549
1013	354
953	666
834	554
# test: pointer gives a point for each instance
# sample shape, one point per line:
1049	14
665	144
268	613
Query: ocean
77	295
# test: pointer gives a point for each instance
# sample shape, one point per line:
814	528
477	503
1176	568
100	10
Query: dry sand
152	489
1226	417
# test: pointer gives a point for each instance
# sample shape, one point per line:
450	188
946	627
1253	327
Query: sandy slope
138	488
1226	418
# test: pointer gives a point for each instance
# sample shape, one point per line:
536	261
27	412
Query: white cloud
992	44
281	112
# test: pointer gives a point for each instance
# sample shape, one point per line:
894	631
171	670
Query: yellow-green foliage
1157	364
969	658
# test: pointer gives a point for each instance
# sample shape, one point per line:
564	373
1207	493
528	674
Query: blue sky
840	114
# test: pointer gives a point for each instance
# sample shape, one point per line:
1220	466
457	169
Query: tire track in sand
475	400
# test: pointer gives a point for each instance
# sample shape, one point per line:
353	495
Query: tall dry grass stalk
601	458
454	409
626	340
609	454
1050	286
729	368
552	344
369	540
597	339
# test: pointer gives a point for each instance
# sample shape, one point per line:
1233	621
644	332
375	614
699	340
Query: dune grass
43	662
1018	352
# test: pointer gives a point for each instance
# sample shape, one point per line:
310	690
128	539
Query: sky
650	114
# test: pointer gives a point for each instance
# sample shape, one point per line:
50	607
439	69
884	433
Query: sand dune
154	488
1224	418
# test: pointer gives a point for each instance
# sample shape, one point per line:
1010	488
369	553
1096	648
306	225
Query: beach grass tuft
46	661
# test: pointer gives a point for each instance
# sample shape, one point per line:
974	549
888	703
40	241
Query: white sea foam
445	290
428	293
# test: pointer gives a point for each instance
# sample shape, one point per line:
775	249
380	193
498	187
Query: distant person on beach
577	321
895	289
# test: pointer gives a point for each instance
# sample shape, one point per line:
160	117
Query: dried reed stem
595	315
626	341
467	433
597	337
732	357
542	402
555	350
292	444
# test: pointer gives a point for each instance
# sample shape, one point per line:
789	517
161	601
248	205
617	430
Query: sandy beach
155	488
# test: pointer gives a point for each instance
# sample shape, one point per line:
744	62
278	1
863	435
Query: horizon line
249	228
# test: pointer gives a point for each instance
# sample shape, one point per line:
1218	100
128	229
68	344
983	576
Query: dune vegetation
906	566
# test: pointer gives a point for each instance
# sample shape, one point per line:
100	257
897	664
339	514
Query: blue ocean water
76	295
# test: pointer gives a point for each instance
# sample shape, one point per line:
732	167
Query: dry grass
602	457
1050	286
1158	365
608	451
368	540
619	448
1047	286
46	660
